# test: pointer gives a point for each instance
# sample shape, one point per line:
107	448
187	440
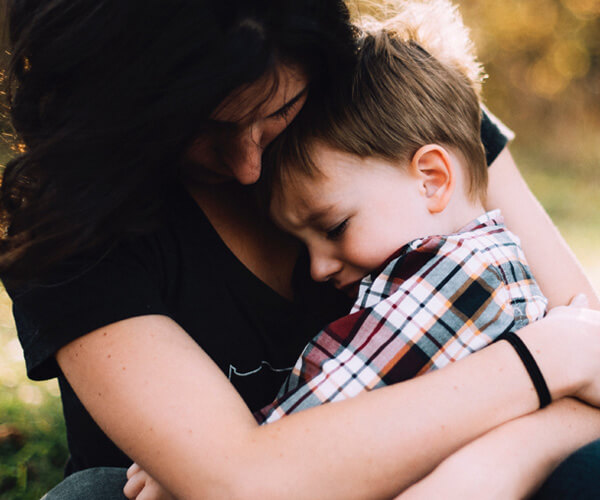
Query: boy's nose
323	268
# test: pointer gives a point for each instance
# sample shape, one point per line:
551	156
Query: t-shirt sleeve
84	294
494	135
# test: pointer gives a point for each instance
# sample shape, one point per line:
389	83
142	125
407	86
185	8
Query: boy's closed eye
337	231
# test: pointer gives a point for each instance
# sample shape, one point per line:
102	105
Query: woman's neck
266	251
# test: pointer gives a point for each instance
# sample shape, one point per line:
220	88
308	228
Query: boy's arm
513	460
553	263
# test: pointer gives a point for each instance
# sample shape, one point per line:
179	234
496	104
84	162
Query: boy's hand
141	486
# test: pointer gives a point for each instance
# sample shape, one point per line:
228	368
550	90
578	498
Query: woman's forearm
162	400
447	408
554	265
513	460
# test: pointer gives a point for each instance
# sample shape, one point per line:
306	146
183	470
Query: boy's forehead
301	200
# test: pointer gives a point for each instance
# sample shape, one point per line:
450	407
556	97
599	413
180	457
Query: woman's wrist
566	347
537	378
542	340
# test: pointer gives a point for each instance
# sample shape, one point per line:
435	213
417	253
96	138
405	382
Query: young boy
365	183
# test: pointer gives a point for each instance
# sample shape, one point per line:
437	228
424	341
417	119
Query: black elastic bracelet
532	368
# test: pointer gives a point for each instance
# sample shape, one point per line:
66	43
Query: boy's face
353	215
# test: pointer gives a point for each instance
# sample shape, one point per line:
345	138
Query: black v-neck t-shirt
182	270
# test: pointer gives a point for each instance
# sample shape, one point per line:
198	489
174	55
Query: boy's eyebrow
290	103
318	214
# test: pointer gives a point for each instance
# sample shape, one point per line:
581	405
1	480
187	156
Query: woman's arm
512	461
553	263
165	403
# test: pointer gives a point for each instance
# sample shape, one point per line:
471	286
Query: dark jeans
101	483
577	478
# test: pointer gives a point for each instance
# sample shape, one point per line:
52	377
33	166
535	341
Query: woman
142	272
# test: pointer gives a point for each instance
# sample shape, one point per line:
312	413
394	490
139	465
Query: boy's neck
457	214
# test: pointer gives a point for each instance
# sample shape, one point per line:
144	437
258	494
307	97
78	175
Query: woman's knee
100	483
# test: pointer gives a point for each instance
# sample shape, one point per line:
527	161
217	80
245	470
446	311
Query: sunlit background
543	62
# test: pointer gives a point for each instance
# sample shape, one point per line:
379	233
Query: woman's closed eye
336	232
291	106
285	111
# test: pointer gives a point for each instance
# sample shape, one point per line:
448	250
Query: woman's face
243	125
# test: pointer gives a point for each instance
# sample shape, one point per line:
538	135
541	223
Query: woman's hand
576	316
566	346
141	486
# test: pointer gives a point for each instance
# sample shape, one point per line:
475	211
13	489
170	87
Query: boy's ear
433	165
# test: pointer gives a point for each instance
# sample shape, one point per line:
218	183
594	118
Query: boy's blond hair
416	82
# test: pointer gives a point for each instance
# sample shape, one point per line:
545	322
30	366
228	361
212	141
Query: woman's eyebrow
290	103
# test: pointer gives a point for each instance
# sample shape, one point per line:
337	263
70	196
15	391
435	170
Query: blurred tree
5	127
543	59
543	62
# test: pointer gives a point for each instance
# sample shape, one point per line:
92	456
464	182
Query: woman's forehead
264	97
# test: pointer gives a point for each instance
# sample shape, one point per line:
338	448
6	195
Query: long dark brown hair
105	95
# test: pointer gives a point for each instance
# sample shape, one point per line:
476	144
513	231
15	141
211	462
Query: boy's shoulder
483	245
486	239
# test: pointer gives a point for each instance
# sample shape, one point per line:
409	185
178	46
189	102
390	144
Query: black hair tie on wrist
532	368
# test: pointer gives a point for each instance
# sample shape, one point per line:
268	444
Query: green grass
33	447
32	436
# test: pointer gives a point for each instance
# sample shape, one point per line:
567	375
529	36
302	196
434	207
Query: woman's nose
323	268
246	169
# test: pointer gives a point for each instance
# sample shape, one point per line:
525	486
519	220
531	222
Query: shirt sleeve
454	304
84	294
494	135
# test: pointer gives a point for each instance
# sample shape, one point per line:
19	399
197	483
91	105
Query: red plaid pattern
435	301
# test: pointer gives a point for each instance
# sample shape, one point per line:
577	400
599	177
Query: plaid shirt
435	301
